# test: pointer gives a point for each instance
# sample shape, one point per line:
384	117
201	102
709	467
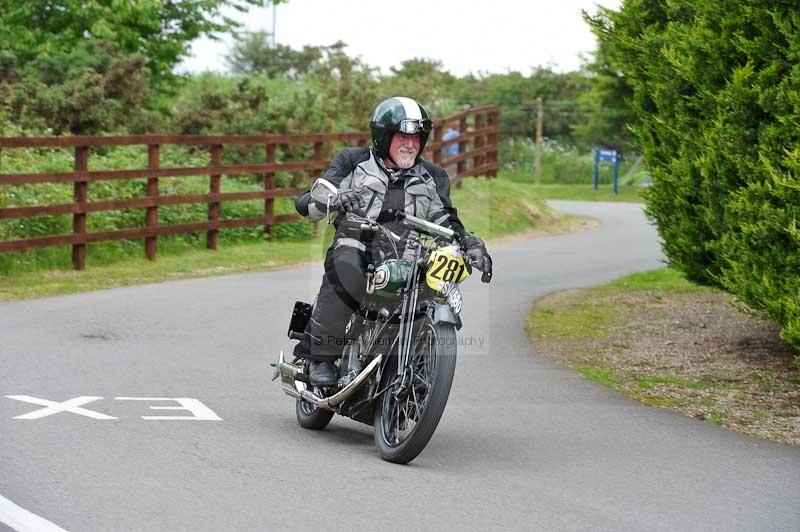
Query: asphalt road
523	445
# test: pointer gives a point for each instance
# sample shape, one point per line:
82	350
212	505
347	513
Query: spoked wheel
312	417
409	411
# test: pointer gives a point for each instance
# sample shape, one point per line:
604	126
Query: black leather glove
348	201
477	256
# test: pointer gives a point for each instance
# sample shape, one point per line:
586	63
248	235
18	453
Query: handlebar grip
294	335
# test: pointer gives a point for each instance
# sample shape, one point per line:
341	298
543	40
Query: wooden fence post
269	184
214	188
151	216
462	148
437	152
493	139
318	156
479	160
81	196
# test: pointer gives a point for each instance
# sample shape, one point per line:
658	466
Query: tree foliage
715	89
516	94
252	53
159	30
428	81
88	89
353	87
607	114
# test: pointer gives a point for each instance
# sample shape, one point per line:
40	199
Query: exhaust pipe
298	389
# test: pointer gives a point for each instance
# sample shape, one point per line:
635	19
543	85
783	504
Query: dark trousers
343	287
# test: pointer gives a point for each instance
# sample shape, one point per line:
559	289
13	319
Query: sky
493	36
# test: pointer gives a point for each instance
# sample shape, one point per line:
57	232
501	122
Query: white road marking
200	412
54	407
22	520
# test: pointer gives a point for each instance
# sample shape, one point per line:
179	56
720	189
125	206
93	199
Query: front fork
407	315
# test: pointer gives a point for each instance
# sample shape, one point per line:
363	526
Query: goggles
412	126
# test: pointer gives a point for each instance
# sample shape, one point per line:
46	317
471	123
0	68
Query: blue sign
606	156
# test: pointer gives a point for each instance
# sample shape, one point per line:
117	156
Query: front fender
442	312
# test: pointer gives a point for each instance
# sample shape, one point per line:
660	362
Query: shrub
761	250
715	93
87	90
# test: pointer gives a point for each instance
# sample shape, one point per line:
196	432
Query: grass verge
491	209
631	194
662	340
194	263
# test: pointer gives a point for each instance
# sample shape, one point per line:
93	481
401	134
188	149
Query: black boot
322	374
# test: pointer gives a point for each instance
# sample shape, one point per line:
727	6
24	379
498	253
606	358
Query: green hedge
716	90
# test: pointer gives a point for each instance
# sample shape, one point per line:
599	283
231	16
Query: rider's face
404	149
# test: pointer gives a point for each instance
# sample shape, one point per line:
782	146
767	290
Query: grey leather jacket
427	188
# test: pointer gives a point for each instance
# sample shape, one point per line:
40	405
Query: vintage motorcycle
399	356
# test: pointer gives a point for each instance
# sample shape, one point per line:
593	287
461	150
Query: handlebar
424	226
418	224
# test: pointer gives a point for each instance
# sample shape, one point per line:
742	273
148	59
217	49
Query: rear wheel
408	412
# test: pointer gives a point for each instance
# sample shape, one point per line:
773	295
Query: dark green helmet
398	114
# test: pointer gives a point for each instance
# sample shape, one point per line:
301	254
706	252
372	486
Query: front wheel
408	412
312	417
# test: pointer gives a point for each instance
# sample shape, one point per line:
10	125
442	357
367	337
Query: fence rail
475	140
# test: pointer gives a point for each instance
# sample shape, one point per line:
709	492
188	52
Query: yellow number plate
446	265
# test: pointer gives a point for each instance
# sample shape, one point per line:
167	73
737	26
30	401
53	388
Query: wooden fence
477	140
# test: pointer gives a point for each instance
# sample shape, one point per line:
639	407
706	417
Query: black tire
311	417
390	448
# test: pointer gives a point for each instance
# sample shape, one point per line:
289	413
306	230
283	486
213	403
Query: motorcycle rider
376	182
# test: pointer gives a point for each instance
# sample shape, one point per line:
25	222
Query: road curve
523	445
